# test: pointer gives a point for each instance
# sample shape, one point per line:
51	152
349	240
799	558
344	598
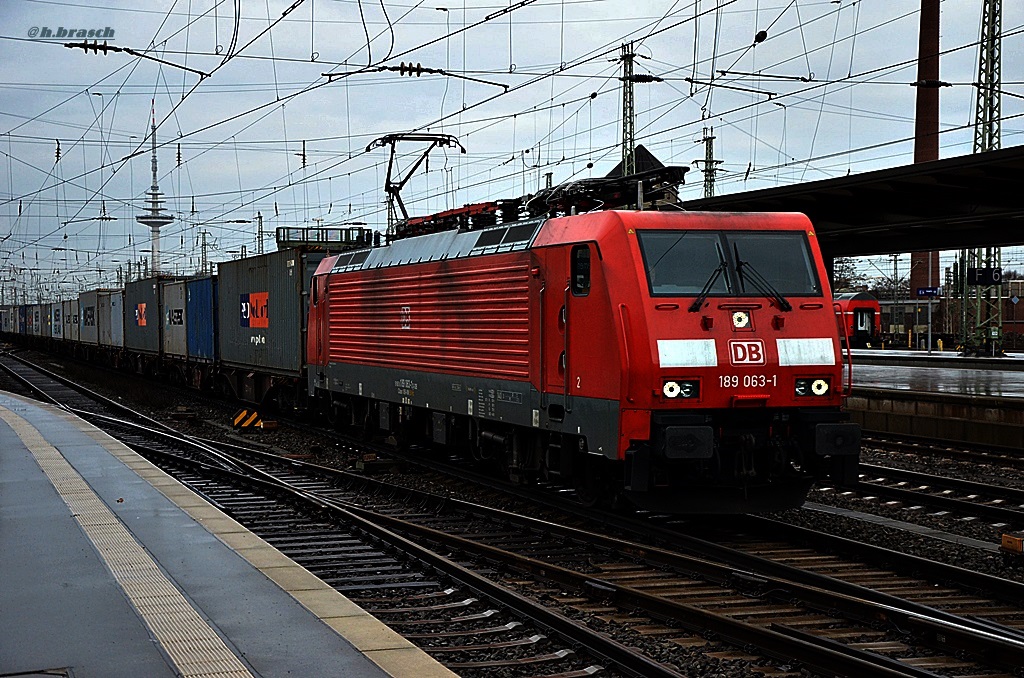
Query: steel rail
722	563
572	632
968	486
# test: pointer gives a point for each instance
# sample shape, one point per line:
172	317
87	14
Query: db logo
746	352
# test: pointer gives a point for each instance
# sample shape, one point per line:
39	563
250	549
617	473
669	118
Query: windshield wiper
715	274
759	282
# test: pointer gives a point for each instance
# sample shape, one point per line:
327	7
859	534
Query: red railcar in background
688	361
862	316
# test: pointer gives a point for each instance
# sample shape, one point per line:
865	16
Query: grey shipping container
87	316
117	318
70	317
172	303
35	320
262	310
142	316
110	317
57	320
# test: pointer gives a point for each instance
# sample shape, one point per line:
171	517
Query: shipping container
117	313
57	320
262	311
70	318
172	304
35	320
88	314
201	319
143	316
23	323
7	316
110	318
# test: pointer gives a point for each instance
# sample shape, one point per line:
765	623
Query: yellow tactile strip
192	645
383	646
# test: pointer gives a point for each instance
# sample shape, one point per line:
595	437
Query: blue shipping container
201	319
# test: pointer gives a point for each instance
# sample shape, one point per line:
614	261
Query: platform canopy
963	202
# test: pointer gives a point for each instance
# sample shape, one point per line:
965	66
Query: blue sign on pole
927	291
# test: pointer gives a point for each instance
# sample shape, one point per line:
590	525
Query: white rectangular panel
794	352
687	353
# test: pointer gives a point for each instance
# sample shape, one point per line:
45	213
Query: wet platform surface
112	568
939	373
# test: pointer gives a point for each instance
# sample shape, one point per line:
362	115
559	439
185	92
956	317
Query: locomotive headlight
806	387
680	389
819	387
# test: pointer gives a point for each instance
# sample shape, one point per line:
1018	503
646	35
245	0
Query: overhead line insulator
409	69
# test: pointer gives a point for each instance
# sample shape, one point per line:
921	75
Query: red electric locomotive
862	316
688	361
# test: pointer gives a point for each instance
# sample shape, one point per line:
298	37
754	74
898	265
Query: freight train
687	362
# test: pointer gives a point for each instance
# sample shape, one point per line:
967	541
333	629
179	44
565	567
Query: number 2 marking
577	382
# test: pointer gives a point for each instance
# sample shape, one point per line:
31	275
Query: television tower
155	219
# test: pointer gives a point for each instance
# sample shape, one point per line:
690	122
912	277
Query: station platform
112	568
939	372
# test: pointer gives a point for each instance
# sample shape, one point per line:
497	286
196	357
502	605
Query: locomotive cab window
734	263
581	270
780	258
681	263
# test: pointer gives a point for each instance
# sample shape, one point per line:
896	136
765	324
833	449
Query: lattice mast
982	316
628	112
710	165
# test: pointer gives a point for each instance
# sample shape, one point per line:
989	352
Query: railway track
988	454
469	623
658	593
964	498
664	593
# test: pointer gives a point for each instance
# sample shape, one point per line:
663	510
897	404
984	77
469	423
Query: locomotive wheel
330	412
587	482
587	496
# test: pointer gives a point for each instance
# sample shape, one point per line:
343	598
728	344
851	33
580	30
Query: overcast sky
832	97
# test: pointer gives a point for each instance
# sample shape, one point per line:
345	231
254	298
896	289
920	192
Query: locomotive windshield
682	263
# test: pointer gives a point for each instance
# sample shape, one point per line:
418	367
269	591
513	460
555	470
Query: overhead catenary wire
656	131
